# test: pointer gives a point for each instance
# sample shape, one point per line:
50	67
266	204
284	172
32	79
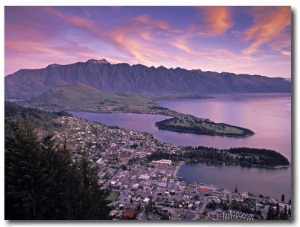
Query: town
150	190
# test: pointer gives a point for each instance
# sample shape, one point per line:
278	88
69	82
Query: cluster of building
150	190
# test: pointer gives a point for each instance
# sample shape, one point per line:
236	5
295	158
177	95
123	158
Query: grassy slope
83	97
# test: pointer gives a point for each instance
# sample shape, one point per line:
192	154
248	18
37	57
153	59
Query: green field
112	196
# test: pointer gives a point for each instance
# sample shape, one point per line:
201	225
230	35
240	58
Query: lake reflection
271	182
268	115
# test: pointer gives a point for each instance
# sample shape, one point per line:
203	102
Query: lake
268	115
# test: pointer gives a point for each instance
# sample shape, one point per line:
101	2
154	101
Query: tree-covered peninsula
191	124
243	156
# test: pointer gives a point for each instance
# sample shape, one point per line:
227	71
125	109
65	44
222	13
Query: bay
268	182
268	115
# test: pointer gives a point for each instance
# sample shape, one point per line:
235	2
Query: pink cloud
182	44
144	20
217	20
82	22
138	35
132	37
270	23
212	54
69	37
31	46
286	53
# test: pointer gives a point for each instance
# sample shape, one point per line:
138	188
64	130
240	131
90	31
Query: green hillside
80	97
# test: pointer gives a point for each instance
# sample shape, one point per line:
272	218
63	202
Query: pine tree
94	205
42	181
282	198
270	214
25	174
236	189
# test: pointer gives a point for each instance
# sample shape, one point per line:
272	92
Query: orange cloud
270	22
153	23
217	21
132	37
287	53
81	22
28	46
209	53
181	44
134	44
140	38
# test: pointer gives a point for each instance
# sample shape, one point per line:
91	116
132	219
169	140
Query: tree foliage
43	182
191	124
243	156
37	118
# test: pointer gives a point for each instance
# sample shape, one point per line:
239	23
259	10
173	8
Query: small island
191	124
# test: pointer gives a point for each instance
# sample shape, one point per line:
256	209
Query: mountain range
122	77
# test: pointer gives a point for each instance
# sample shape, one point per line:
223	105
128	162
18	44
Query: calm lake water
268	115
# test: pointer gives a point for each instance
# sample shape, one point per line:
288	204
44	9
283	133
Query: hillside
82	97
39	119
123	77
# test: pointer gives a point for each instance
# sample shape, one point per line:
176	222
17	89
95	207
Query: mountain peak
94	61
53	65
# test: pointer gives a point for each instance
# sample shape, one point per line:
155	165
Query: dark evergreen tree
282	198
93	201
236	189
277	213
270	214
25	175
42	181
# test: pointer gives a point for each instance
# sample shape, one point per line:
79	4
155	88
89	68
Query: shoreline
177	168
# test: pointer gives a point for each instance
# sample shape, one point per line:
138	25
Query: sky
244	39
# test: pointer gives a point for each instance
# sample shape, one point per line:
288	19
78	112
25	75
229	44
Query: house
129	213
219	211
146	200
213	214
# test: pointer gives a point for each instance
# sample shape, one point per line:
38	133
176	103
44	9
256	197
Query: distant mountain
123	77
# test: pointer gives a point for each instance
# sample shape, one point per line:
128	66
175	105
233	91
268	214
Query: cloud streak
210	38
217	20
270	23
132	37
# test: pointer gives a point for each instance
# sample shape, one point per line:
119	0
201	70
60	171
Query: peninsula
191	124
84	98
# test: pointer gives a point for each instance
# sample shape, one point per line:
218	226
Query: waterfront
268	115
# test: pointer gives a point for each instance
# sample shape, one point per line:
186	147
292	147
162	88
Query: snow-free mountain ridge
122	77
